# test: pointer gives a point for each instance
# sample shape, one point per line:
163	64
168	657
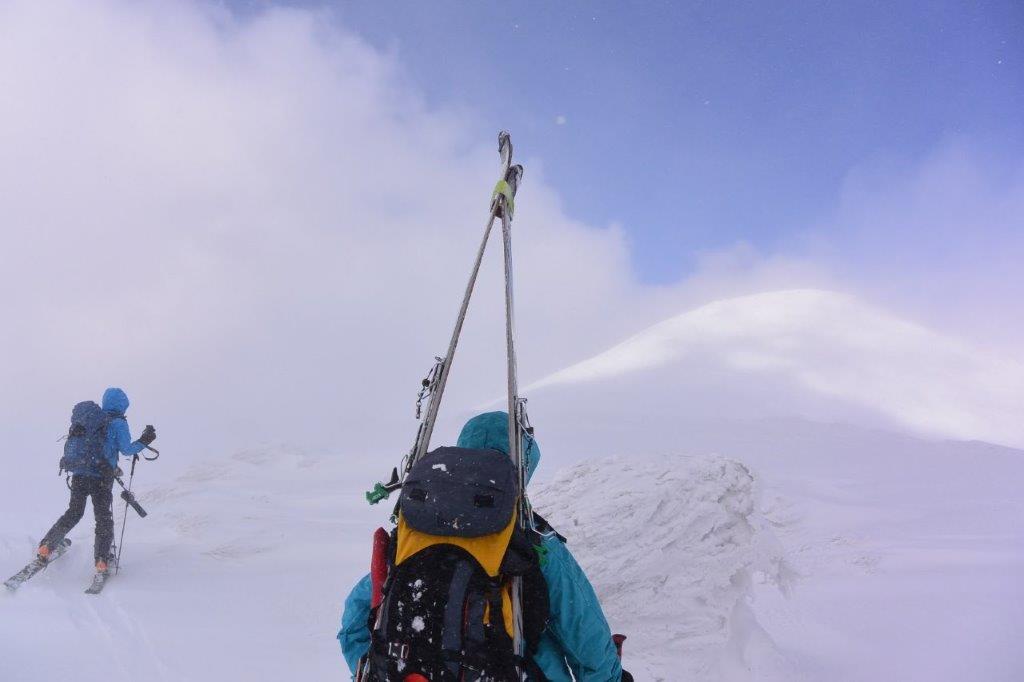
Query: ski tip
505	148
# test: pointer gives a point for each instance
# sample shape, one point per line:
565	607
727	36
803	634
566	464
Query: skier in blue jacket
97	482
577	637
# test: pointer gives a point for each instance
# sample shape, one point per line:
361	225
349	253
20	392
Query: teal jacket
577	637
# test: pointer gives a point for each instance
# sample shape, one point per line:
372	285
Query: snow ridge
673	547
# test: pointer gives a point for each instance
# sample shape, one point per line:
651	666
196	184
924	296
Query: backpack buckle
399	650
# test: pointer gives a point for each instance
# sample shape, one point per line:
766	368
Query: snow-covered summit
824	355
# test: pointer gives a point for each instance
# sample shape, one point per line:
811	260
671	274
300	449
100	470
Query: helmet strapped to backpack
446	612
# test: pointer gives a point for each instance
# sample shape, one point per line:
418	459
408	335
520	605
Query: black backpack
445	612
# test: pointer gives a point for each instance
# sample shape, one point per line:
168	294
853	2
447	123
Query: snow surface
793	569
754	506
238	573
673	546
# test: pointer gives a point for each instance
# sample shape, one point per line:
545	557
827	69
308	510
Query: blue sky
696	125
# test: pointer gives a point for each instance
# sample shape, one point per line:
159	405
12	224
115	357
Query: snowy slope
898	540
673	546
237	573
240	570
808	353
745	510
807	566
242	566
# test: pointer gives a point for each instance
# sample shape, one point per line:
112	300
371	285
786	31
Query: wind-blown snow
241	568
238	573
245	557
835	347
673	547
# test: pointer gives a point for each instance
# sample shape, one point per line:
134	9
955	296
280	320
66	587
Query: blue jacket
577	637
119	439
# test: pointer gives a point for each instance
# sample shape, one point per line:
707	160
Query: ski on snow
36	565
98	581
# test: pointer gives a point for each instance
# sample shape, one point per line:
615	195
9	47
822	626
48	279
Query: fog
258	228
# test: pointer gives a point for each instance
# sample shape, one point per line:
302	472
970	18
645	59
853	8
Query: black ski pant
101	492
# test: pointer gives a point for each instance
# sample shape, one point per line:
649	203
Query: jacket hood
489	431
115	400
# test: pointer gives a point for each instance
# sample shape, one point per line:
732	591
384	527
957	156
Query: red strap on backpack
378	566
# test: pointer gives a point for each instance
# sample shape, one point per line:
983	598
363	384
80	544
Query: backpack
83	449
446	608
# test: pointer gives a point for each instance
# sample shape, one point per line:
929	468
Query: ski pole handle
378	493
382	490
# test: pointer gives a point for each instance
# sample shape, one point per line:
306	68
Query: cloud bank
258	228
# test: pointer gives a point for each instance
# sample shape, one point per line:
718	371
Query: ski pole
124	521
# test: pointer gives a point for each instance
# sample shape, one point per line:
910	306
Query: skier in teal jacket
577	637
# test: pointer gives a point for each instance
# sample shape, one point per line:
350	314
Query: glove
626	677
148	435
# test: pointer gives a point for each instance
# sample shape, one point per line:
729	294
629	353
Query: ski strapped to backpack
433	386
464	514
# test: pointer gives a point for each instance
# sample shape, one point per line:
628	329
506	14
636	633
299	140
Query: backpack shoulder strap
523	559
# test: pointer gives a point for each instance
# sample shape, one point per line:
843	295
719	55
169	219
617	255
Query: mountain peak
820	345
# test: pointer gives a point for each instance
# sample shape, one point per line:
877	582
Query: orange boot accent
415	677
43	552
101	566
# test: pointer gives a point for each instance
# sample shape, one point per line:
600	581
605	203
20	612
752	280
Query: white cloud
258	229
941	239
262	231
